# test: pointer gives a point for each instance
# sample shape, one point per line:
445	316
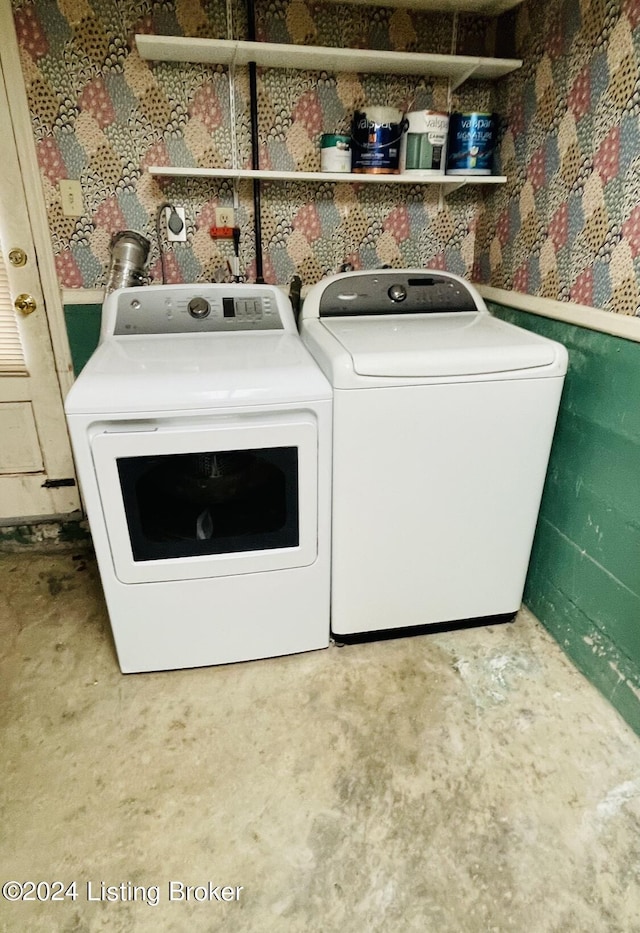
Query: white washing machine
443	422
201	428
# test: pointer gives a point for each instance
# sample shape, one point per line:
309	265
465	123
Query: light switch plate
71	197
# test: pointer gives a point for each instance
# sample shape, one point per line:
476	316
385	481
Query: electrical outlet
71	198
180	237
225	217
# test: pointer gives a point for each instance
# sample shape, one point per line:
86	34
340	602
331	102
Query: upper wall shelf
458	68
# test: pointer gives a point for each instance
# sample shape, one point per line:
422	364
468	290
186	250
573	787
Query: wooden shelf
448	183
458	68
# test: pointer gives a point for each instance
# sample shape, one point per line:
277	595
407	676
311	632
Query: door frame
58	497
36	208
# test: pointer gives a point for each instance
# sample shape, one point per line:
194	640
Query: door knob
18	257
25	303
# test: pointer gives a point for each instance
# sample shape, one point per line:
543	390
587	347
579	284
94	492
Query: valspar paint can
375	140
424	145
472	141
335	153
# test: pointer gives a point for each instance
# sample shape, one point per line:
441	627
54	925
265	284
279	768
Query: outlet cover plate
225	217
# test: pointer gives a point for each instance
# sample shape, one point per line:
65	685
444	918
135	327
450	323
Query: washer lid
450	344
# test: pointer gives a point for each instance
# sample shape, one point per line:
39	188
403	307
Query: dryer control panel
198	308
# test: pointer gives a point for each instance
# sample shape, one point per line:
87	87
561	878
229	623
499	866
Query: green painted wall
83	329
584	577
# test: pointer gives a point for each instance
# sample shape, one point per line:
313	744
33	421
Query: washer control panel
190	309
394	291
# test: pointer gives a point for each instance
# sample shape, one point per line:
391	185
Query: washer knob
198	307
397	293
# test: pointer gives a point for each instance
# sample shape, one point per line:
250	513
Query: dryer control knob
198	307
397	293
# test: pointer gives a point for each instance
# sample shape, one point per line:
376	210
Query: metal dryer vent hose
129	252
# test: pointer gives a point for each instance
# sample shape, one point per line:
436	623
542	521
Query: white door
36	468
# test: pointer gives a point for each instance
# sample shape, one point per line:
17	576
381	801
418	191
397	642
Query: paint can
375	140
335	153
472	141
424	145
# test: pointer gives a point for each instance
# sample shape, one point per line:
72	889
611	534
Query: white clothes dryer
201	428
443	422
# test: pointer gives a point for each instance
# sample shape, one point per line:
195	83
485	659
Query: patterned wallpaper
103	115
567	224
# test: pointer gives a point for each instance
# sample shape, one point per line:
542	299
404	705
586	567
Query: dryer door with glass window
188	500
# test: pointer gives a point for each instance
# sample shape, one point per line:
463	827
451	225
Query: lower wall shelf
448	183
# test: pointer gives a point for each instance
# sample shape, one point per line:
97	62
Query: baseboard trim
82	296
617	325
54	533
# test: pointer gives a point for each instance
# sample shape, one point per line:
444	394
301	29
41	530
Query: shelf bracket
450	188
464	76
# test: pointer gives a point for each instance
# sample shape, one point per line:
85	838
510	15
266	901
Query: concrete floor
468	781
